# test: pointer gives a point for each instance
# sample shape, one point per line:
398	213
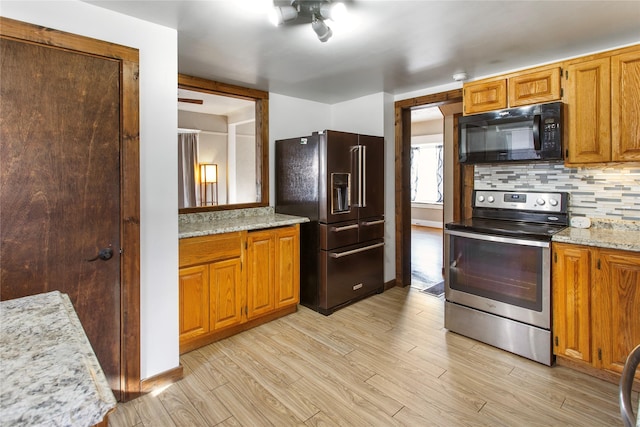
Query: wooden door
260	273
287	266
588	98
571	301
625	106
193	286
617	296
60	185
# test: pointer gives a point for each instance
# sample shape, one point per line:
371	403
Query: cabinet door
193	301
534	88
617	295
260	273
625	106
484	96
287	266
571	301
588	111
226	293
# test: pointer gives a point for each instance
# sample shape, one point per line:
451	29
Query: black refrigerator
336	179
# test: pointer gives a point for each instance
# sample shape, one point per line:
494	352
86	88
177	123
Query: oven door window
505	272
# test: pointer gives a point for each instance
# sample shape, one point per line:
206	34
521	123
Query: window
426	173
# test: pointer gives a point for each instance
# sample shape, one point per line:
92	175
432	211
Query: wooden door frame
403	175
129	180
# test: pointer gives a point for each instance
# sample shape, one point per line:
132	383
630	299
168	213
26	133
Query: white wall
158	159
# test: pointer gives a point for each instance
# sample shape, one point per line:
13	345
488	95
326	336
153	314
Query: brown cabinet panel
571	301
484	96
287	267
534	88
194	295
625	106
198	250
589	111
260	273
617	287
226	294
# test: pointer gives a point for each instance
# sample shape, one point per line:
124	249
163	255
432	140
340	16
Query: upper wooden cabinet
534	86
233	281
602	96
481	96
625	106
596	301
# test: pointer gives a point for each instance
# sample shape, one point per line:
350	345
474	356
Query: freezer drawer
371	229
349	274
338	235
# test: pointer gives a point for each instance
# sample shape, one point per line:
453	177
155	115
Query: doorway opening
427	196
450	105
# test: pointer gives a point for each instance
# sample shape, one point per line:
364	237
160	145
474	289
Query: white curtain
188	194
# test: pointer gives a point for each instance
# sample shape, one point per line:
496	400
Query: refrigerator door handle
345	227
367	223
363	176
354	251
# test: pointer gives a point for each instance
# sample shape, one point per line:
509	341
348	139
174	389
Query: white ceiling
393	46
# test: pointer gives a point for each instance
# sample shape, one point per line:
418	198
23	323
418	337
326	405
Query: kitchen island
49	374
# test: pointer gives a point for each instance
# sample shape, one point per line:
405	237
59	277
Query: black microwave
531	133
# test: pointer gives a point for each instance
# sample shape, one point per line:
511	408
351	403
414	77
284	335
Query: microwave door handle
536	132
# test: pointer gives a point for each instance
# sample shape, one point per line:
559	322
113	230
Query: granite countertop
48	371
623	235
204	224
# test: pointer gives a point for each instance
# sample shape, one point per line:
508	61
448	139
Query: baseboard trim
390	284
426	223
163	379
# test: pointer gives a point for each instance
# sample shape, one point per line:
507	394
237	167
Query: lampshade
321	29
208	173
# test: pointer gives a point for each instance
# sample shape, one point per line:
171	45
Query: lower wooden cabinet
273	278
596	307
233	281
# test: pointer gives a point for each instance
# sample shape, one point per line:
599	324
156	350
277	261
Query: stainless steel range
498	270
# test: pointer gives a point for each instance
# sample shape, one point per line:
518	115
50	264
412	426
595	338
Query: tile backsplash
602	193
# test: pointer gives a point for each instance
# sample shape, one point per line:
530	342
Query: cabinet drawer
199	250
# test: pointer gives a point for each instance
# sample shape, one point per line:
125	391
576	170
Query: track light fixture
316	11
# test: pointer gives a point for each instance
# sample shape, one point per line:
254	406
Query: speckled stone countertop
204	224
623	235
49	375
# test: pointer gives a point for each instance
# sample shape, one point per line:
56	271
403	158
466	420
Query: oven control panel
529	201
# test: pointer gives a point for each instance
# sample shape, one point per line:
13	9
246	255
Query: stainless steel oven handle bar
498	239
354	251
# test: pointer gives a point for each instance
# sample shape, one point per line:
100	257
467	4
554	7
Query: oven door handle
498	239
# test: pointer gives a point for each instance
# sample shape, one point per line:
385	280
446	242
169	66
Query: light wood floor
384	361
426	256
